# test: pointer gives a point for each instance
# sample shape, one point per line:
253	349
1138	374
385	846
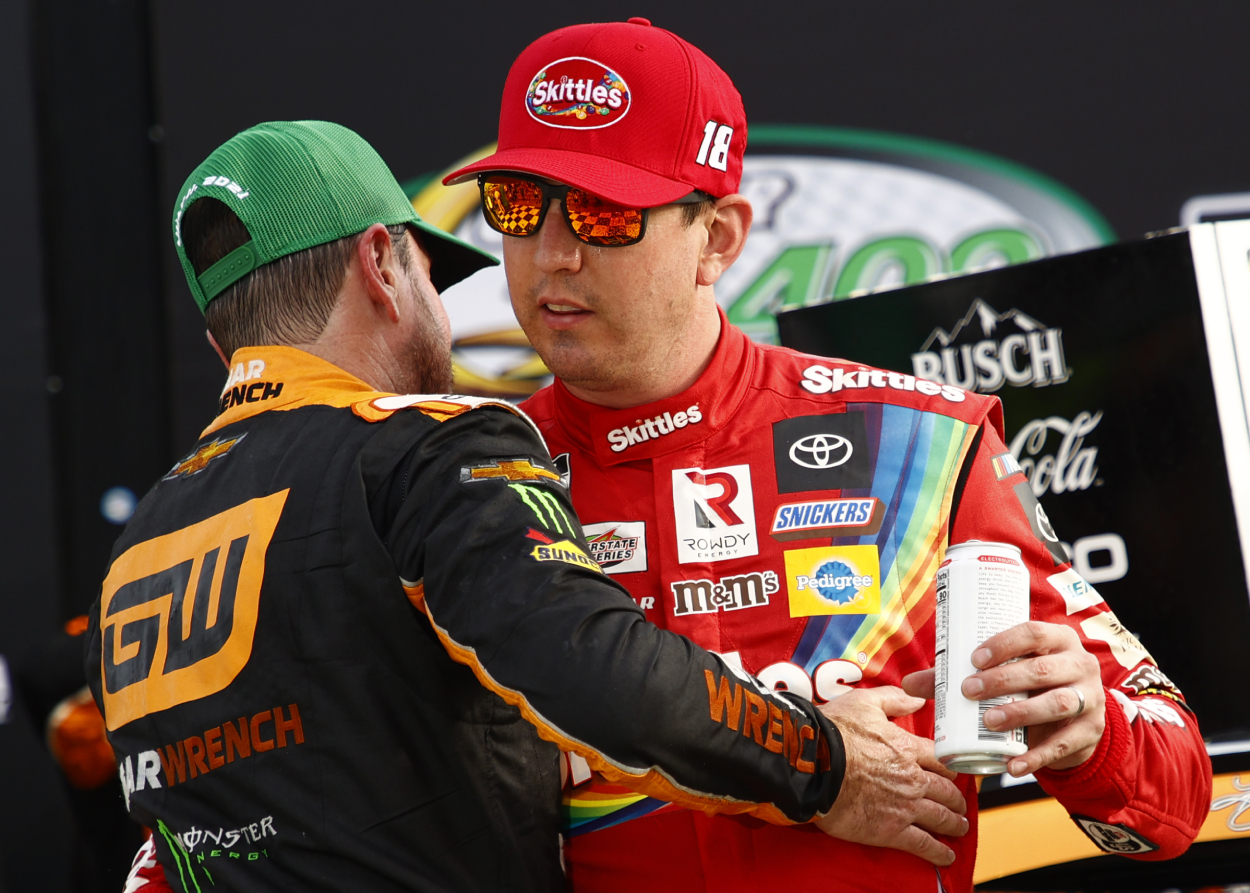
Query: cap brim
614	180
451	259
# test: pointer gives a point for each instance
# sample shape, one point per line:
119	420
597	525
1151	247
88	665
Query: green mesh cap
296	184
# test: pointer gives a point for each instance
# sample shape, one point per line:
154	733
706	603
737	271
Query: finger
939	820
892	700
1052	706
920	843
1078	738
919	684
942	791
1045	671
1033	637
930	763
922	748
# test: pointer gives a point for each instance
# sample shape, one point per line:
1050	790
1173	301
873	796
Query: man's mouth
563	308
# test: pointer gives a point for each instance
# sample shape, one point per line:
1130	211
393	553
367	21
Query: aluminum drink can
982	589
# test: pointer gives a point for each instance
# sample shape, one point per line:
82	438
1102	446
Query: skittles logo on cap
576	93
833	580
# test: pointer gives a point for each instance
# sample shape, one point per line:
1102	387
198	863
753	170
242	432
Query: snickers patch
827	517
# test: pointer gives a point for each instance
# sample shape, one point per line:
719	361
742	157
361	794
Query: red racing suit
790	512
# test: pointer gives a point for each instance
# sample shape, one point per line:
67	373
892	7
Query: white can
982	589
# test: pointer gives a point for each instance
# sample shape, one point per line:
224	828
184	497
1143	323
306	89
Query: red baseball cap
625	110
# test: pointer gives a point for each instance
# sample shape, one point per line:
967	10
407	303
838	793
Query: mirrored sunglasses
515	205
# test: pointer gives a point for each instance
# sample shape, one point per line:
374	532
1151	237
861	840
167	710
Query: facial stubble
426	367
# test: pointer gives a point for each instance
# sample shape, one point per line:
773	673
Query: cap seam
325	186
690	105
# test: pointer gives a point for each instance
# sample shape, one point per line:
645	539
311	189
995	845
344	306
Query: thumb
893	701
919	684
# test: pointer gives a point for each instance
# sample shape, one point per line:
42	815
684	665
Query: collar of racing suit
665	426
268	378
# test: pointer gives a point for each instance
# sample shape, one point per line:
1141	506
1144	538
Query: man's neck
354	339
363	364
691	353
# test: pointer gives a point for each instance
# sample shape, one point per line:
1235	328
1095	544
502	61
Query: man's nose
558	248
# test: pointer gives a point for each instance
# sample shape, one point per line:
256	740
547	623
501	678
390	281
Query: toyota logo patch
821	451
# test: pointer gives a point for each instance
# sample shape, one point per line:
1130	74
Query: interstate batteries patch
619	547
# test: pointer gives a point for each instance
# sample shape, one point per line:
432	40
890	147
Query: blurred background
945	138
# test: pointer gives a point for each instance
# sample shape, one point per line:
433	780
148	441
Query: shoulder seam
439	407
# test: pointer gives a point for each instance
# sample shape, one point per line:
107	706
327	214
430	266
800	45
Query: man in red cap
787	511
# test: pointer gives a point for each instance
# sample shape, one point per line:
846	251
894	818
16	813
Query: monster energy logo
182	859
545	507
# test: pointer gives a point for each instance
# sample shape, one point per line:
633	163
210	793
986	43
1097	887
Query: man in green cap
341	642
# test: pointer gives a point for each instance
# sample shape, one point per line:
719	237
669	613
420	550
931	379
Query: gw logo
167	640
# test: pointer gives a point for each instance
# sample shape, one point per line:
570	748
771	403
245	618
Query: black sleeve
487	544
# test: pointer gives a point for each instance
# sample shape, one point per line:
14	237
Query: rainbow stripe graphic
916	457
602	805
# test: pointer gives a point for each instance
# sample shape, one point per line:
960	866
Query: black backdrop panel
34	837
98	172
1144	461
27	525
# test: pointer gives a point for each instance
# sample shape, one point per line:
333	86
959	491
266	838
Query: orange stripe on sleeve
416	594
651	782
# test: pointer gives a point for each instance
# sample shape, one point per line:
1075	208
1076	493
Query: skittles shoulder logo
576	93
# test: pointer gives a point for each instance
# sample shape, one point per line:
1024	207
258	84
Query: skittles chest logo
576	93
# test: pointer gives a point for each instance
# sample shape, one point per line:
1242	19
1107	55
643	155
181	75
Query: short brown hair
693	212
287	301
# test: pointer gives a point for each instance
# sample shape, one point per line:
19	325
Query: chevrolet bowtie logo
198	461
508	470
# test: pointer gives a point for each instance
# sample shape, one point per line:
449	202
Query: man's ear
727	235
217	347
380	269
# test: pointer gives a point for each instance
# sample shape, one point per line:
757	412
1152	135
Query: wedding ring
1080	703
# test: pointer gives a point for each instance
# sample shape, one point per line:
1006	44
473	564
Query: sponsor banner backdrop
1101	363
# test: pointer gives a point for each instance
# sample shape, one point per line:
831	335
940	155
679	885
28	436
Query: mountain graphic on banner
990	320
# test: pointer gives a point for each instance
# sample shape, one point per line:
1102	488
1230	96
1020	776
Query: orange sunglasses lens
514	206
602	223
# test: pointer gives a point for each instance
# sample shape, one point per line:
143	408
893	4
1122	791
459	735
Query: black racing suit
339	642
